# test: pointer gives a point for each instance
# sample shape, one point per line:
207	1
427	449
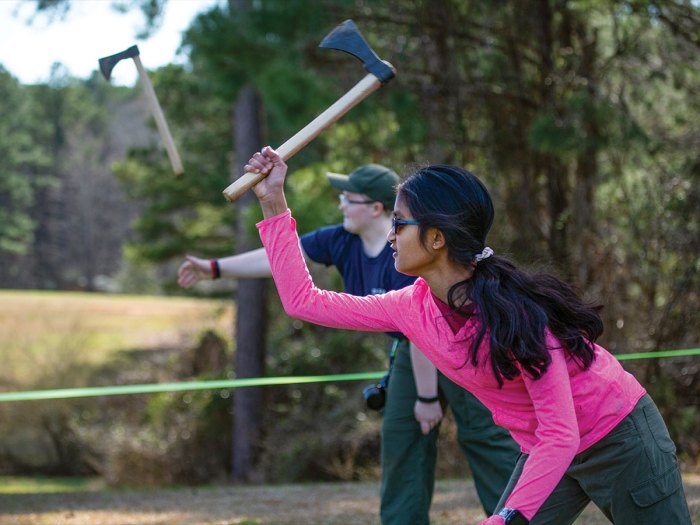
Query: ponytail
516	308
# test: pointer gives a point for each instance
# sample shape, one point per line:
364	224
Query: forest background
581	117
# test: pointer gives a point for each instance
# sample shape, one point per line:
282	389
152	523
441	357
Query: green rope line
659	354
65	393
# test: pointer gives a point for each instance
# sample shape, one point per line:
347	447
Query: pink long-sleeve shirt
552	418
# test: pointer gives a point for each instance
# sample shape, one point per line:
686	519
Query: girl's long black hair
514	307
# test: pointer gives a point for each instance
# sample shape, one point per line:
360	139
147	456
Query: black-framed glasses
395	223
345	201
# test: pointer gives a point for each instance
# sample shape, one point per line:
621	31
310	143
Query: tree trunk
586	164
556	173
250	298
514	153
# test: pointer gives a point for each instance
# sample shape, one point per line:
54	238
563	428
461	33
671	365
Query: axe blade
108	63
347	37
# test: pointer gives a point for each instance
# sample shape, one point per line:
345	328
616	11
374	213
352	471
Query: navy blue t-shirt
362	275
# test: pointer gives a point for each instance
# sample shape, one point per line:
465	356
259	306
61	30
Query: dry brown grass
40	329
328	504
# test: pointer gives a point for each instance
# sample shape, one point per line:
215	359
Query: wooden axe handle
160	118
365	87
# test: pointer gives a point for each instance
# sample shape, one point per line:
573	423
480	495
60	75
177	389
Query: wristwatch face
512	517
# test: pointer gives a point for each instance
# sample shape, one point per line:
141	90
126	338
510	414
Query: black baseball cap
374	180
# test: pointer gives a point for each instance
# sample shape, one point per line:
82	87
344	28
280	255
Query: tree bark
556	173
586	163
250	322
250	298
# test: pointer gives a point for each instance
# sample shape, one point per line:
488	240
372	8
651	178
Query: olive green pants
631	474
408	457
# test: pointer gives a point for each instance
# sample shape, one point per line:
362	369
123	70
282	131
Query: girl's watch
512	516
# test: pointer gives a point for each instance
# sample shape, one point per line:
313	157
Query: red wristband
215	270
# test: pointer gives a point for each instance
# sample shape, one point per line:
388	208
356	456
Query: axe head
346	37
108	63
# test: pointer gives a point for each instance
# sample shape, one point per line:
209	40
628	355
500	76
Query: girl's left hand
428	415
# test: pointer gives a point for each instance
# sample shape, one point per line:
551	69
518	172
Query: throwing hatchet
345	37
106	66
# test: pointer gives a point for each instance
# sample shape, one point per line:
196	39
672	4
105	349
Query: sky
90	30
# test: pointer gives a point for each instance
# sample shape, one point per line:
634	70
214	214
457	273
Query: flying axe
345	37
106	66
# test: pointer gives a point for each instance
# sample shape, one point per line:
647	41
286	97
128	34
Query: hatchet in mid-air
345	37
106	66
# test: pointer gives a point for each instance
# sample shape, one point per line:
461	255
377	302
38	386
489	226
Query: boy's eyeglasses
396	223
345	201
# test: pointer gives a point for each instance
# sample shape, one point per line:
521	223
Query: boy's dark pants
409	457
631	474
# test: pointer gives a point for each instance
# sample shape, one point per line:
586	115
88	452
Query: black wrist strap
512	517
428	399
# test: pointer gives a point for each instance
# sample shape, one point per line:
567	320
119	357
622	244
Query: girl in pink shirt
523	344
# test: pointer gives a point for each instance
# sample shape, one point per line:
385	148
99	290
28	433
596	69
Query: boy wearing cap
416	392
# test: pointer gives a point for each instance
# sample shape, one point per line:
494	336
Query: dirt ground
327	504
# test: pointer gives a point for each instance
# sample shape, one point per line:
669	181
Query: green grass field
41	331
48	485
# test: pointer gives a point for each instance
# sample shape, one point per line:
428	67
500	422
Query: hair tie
485	254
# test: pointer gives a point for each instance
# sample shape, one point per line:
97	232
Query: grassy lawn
40	331
47	485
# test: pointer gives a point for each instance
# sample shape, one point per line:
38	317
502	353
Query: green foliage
24	162
186	428
234	48
351	451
